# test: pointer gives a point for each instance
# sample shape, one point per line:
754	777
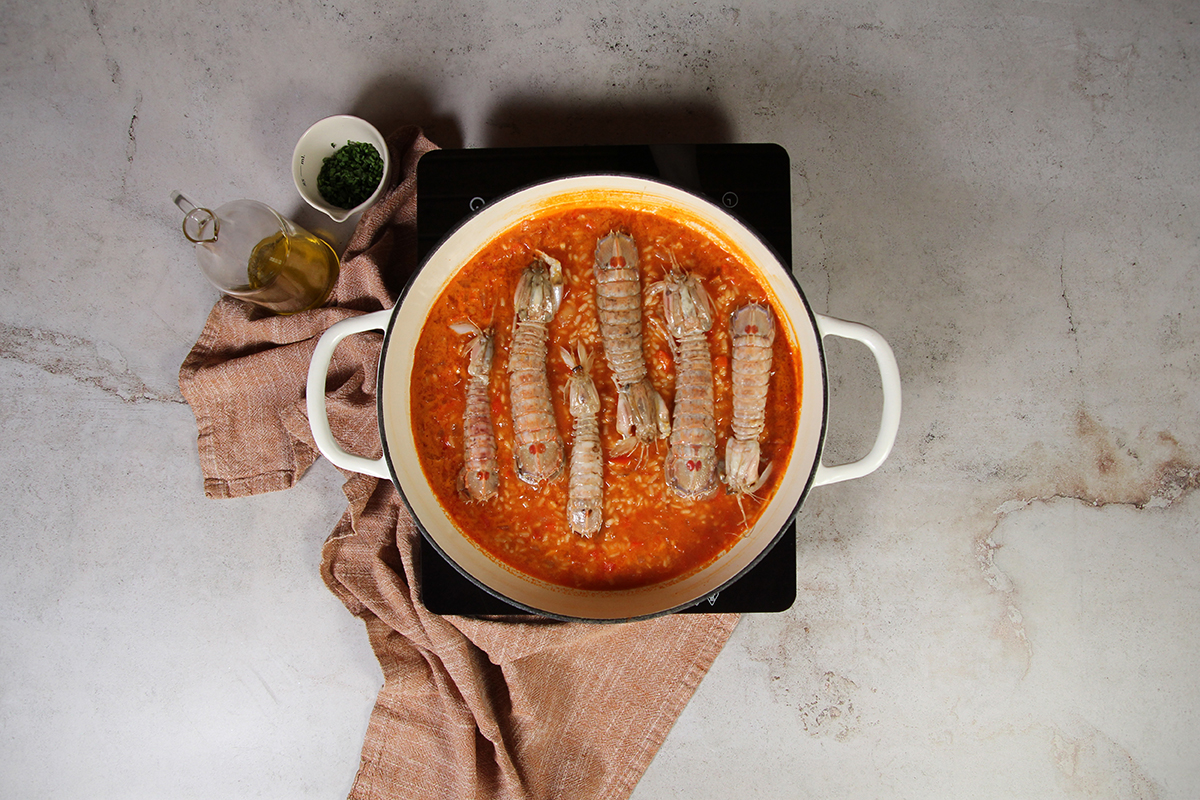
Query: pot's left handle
318	417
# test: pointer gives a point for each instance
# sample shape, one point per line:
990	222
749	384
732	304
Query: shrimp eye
617	261
751	329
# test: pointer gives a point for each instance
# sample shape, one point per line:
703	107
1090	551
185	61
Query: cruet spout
199	224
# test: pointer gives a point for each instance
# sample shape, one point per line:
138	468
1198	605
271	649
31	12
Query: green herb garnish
350	175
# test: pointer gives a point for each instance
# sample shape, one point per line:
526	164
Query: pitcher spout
199	224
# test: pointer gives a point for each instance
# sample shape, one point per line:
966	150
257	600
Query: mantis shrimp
585	497
691	467
537	445
752	332
479	478
642	415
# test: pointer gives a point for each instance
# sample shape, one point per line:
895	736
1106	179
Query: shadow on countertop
519	123
392	101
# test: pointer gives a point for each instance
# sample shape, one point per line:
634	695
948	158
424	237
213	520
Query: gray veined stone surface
1009	607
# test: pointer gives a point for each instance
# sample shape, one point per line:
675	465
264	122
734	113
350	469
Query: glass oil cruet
251	252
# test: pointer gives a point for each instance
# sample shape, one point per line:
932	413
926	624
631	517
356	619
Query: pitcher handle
889	425
318	370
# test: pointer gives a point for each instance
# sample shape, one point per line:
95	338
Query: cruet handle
183	201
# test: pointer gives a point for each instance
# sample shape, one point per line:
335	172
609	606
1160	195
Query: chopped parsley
349	176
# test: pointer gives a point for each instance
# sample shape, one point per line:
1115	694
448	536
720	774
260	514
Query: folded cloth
520	707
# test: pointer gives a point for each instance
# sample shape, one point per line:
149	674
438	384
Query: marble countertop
1009	193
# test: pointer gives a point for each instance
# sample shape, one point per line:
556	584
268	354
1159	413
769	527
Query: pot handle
889	374
318	369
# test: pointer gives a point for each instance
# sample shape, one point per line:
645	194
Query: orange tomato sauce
649	534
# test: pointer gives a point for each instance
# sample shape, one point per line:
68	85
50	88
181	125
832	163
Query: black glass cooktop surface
751	181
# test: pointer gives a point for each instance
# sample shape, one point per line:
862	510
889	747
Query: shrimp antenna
557	283
752	491
567	358
585	358
464	328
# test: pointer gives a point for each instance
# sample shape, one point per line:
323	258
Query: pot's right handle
318	369
889	374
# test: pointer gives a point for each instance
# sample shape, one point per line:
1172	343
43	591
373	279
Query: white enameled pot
399	463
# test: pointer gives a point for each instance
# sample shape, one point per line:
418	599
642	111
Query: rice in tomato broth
649	535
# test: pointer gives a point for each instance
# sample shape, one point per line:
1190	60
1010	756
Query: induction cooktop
751	181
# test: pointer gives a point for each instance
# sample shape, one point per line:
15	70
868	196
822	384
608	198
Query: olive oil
291	273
